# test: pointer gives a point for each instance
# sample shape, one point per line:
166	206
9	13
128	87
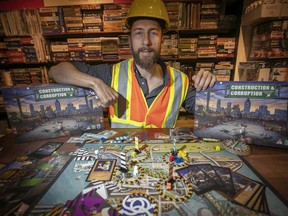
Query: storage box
253	112
49	111
271	9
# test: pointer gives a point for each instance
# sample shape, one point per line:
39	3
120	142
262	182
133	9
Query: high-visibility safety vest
131	109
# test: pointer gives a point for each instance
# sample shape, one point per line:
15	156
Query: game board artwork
48	111
253	112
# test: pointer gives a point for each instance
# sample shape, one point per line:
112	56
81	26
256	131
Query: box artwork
48	111
253	112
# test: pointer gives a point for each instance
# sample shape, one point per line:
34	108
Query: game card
248	193
200	181
19	209
253	200
258	203
240	182
102	170
264	204
83	166
77	140
208	169
226	177
47	149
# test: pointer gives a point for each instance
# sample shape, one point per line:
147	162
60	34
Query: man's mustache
145	49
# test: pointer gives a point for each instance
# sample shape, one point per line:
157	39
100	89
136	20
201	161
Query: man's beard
148	61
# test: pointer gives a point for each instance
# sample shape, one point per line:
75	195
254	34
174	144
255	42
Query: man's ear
163	39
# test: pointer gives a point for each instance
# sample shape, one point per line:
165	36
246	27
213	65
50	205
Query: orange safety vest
131	109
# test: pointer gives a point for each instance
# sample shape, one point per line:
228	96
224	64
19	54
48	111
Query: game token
136	204
236	147
182	192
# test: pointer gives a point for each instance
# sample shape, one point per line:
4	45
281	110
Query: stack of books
52	20
114	17
109	48
188	48
207	46
170	47
92	18
73	19
124	50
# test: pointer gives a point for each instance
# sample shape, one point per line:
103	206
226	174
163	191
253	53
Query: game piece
135	171
171	158
218	148
174	151
182	154
143	147
168	185
123	167
170	173
210	140
236	147
134	154
137	145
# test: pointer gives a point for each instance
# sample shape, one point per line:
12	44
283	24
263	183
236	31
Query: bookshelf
203	34
258	20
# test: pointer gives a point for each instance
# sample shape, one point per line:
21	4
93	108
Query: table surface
270	163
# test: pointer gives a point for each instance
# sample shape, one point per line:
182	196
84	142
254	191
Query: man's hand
203	79
105	93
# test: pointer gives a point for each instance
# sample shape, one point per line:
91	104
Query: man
142	91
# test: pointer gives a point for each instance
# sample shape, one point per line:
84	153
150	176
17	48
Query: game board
93	181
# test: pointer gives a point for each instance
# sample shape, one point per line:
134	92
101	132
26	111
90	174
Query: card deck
235	187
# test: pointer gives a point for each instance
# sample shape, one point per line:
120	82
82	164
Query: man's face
146	40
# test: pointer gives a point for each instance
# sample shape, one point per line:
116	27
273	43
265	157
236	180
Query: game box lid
254	112
49	111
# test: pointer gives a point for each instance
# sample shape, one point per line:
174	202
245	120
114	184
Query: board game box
254	112
49	111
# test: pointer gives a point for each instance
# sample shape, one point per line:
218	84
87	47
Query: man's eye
153	33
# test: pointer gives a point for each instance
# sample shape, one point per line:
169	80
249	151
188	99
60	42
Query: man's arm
67	73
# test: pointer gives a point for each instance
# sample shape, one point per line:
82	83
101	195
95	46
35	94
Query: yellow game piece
136	143
182	154
217	148
134	154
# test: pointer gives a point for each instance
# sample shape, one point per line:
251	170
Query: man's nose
146	39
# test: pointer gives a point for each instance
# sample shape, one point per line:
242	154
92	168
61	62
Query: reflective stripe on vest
131	109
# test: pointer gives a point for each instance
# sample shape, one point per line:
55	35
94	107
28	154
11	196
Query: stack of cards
233	186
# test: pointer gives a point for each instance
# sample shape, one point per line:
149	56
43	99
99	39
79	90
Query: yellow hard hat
150	9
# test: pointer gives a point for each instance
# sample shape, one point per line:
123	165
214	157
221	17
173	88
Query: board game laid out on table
136	172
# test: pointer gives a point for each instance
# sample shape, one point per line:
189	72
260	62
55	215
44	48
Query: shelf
103	33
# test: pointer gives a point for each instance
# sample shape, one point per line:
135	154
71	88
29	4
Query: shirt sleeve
101	71
189	103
